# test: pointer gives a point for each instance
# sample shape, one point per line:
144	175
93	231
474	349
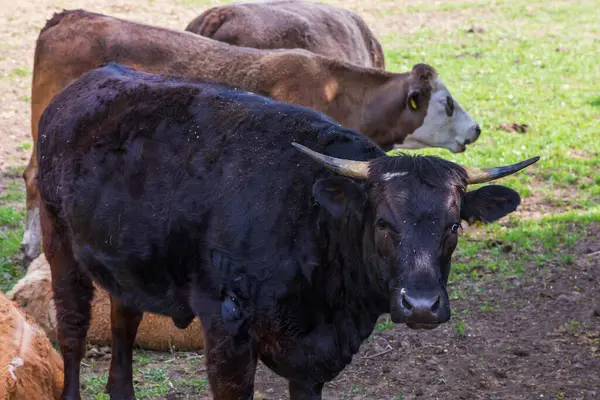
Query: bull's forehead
430	198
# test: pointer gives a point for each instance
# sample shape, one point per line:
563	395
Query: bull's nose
421	310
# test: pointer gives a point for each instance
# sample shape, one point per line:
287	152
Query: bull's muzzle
420	310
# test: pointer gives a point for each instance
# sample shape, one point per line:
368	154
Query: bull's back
149	173
109	171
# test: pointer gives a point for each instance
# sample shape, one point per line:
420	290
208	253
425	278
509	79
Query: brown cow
385	106
31	367
33	293
288	24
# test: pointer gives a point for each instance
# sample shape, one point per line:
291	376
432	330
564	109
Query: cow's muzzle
420	310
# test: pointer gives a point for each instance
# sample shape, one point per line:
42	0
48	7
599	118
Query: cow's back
320	28
144	169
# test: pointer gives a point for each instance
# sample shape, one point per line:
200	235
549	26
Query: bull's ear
338	195
489	203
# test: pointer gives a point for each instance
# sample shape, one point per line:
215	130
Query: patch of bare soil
533	337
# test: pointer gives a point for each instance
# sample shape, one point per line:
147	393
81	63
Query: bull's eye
383	225
455	227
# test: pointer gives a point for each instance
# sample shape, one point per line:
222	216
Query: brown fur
288	24
31	367
77	41
34	294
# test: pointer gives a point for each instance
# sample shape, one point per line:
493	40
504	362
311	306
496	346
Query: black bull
186	198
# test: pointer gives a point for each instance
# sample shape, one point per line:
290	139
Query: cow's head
416	110
413	208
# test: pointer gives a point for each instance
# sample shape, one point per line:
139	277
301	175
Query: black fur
183	197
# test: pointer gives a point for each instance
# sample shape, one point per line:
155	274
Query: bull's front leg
305	391
124	325
73	291
231	365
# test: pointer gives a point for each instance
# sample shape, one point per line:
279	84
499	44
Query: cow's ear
338	194
489	203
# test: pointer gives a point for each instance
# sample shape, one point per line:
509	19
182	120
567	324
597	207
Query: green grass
546	89
534	242
11	232
151	381
19	71
522	77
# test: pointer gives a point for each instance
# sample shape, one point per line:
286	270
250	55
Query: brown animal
31	367
33	293
321	28
412	109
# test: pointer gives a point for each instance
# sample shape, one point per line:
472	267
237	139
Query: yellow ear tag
413	104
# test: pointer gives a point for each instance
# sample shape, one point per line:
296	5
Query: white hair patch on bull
391	175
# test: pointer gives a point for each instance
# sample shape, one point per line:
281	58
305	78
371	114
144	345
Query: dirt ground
533	337
536	336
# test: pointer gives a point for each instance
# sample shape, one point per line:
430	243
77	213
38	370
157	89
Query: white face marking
32	237
391	175
440	130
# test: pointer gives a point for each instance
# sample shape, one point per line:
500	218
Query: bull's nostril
477	131
405	304
436	305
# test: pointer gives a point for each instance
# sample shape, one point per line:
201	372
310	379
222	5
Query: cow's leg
124	324
305	391
73	292
231	365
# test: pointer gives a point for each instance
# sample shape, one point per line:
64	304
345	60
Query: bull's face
413	208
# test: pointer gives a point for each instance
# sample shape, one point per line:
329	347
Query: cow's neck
356	86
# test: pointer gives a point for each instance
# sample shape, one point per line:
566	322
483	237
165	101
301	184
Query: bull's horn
480	175
354	169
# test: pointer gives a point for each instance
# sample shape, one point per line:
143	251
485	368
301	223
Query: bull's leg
305	391
230	363
124	324
73	292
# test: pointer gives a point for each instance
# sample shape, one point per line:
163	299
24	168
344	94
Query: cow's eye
455	227
449	106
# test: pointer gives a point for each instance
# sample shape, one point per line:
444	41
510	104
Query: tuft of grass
11	232
383	325
152	380
19	71
26	146
460	327
92	386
